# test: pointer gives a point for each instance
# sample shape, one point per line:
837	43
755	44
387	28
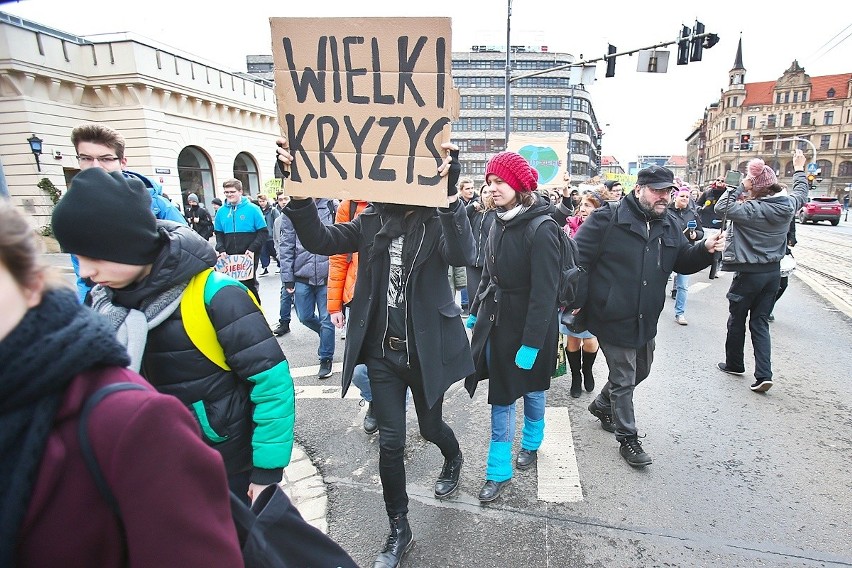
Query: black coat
204	226
626	286
516	305
481	221
684	216
441	343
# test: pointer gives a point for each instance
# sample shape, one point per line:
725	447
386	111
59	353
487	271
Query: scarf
54	342
132	326
508	215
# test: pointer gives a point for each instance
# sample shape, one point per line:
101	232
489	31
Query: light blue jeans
503	417
312	309
681	282
361	379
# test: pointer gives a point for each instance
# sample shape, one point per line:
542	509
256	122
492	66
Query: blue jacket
297	264
240	228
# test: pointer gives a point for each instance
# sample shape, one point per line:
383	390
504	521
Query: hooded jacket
247	412
756	239
240	227
161	207
625	289
297	263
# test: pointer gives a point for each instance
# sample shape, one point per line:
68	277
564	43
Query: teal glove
525	357
471	321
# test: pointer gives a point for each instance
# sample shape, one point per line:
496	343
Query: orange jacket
343	268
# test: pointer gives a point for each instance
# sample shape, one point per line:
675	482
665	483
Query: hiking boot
448	480
681	320
398	543
370	422
325	369
282	329
605	417
730	370
526	458
761	385
631	450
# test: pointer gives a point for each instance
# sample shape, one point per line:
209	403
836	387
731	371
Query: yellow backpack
193	310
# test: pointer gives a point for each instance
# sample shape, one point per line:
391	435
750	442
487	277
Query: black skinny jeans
752	296
389	379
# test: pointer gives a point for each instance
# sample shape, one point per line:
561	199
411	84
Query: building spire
738	60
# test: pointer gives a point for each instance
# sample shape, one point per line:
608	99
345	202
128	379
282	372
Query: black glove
289	285
454	173
278	170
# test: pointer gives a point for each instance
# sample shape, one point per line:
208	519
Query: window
804	96
795	96
245	170
771	121
788	119
824	141
196	174
787	97
806	119
735	101
831	93
777	98
751	121
476	102
785	146
825	168
845	169
526	124
525	102
551	124
733	123
828	118
551	103
479	123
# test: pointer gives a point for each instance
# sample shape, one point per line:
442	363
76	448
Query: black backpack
569	272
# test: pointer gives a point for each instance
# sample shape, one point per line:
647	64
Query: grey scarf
132	326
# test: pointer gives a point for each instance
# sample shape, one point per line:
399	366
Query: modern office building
188	124
770	119
546	105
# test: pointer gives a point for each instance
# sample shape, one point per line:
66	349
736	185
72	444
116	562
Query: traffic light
745	141
683	47
697	42
610	61
812	181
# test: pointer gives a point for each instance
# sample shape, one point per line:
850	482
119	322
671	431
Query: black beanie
105	216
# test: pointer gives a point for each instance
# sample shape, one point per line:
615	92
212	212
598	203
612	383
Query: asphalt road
738	479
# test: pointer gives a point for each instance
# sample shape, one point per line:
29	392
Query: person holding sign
408	330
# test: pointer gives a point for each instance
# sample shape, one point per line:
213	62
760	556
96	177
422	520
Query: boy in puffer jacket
190	332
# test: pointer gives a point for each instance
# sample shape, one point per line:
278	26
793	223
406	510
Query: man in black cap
628	249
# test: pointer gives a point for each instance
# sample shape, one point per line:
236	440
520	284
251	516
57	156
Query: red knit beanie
514	170
760	174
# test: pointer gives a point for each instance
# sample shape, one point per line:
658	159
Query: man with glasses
240	228
710	220
100	146
628	250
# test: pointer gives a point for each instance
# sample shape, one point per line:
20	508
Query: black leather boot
370	422
399	542
588	363
448	480
576	379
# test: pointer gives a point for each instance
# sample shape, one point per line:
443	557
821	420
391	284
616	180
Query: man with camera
760	211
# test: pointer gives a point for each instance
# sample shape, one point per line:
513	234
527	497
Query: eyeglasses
230	192
106	160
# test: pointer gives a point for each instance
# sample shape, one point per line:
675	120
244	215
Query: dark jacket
441	344
481	221
625	290
270	214
204	226
246	413
174	516
297	264
515	305
684	216
706	206
240	228
756	239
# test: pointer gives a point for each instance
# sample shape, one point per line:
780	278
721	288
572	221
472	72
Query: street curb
825	293
305	487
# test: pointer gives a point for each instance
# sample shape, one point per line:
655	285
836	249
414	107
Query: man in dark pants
628	251
404	324
760	212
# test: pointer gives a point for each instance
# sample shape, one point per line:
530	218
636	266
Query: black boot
370	422
588	363
448	480
574	362
399	542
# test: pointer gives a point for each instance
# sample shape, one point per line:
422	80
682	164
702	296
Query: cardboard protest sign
547	154
237	266
365	104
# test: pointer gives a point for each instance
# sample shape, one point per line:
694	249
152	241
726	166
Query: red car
821	208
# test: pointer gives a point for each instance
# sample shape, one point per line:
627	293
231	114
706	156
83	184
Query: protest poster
365	104
237	266
548	154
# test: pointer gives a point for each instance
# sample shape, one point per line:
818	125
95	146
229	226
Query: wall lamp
35	146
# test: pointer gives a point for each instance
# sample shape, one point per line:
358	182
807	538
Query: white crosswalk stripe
558	473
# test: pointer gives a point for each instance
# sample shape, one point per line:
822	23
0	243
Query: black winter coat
175	366
625	290
516	305
684	216
481	221
441	343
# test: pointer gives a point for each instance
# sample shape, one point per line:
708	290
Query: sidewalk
302	483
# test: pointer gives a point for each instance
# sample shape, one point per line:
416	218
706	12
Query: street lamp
35	147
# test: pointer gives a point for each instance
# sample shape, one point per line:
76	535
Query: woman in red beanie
514	316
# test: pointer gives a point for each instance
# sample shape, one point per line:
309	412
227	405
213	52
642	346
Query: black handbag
576	323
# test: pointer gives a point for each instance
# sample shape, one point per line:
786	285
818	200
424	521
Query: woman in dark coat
514	316
481	213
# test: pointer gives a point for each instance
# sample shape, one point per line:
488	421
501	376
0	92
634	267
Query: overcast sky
641	113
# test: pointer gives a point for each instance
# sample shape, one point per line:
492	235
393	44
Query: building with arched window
770	119
188	124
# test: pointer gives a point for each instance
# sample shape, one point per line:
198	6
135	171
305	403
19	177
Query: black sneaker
325	369
605	418
632	452
674	294
282	329
770	317
730	370
761	385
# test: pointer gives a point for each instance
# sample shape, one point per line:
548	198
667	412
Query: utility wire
816	56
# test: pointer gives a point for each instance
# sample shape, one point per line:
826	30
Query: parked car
821	208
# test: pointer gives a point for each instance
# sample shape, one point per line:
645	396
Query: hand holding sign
451	169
